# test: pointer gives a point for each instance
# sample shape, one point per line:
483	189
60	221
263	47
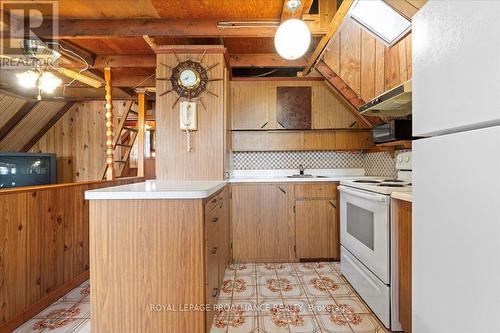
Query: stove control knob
400	159
407	158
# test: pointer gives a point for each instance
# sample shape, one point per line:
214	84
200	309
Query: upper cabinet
259	105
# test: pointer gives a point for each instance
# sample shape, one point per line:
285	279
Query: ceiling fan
42	59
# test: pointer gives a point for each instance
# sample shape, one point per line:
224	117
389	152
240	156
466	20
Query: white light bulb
27	79
292	39
49	82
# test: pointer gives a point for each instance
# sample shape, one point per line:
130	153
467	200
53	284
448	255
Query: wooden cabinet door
314	220
13	226
224	237
261	225
212	221
250	106
404	226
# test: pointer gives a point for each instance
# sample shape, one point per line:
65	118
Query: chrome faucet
301	169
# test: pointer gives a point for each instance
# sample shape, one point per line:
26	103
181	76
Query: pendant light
293	36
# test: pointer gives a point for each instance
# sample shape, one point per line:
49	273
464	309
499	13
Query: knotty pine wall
208	158
365	63
79	141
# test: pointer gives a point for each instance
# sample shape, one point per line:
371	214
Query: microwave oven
393	130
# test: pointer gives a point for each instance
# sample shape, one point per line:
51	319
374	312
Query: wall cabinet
280	222
217	247
254	105
262	222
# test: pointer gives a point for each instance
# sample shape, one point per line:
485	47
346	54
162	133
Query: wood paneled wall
254	105
79	141
365	63
28	127
44	251
206	160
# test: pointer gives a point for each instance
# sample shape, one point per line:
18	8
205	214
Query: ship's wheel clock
189	79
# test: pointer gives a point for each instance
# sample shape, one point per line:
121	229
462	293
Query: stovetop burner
366	181
391	185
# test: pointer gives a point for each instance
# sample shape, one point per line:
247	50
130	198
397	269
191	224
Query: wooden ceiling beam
406	9
346	93
332	29
263	60
48	126
235	60
16	118
109	28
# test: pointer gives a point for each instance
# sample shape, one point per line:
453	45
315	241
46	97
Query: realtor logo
22	20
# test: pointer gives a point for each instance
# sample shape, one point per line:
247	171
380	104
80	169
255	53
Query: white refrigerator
456	169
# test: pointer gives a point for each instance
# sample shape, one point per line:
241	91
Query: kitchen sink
306	176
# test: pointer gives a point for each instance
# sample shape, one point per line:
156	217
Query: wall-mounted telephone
188	116
188	121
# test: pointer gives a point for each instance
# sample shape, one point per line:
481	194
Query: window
381	20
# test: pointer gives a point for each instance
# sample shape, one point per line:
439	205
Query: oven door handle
363	194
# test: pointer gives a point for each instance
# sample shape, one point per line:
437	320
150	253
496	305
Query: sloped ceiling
22	121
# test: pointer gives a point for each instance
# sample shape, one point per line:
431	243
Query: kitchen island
157	249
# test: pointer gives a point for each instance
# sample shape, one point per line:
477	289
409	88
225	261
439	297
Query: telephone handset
188	120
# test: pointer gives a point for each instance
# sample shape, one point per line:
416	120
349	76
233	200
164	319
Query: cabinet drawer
211	203
315	191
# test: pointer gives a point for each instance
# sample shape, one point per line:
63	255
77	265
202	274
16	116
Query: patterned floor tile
245	307
284	269
55	310
365	323
242	268
267	306
303	306
273	324
265	269
84	327
335	277
333	324
241	324
249	279
353	303
303	324
242	291
76	294
293	291
263	291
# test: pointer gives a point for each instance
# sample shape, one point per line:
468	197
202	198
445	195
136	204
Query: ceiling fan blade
80	77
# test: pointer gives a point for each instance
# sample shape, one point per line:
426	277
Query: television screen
27	169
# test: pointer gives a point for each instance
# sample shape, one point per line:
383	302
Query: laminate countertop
282	176
157	189
405	196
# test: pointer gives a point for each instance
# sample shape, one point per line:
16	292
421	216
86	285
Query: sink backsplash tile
291	160
375	164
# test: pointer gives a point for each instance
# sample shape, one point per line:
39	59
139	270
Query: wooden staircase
125	137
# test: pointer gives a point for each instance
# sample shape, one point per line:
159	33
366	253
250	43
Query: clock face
189	78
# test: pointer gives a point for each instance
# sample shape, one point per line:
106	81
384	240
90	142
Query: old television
26	169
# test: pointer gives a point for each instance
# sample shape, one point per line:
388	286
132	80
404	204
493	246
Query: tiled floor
289	298
70	313
254	298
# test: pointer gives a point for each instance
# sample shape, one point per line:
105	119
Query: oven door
364	228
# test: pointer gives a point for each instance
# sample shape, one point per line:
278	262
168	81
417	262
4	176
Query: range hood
395	102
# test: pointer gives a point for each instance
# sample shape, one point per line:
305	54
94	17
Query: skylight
381	20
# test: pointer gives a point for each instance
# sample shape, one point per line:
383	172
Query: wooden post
110	171
141	110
